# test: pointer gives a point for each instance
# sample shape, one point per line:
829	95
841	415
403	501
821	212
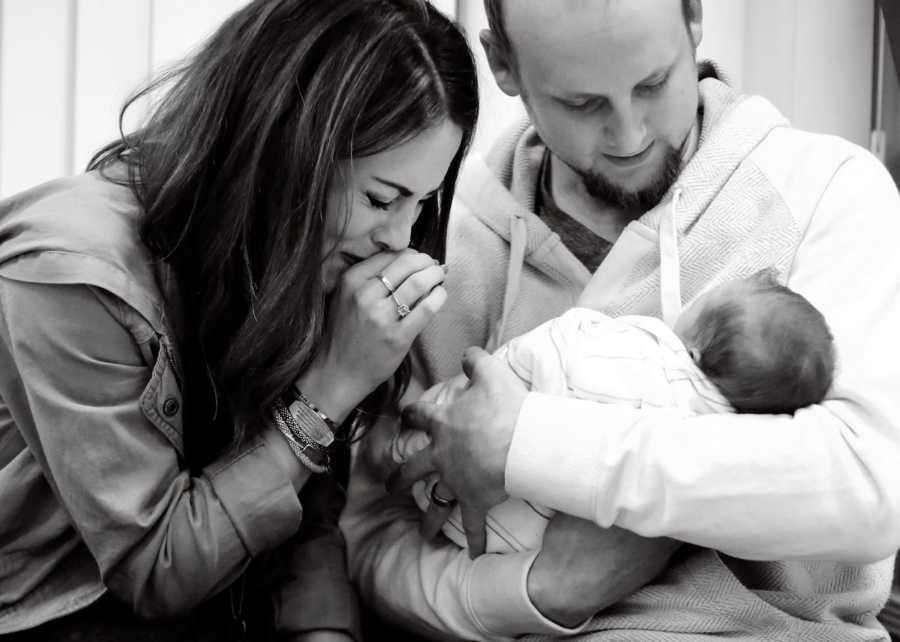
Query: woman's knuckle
420	281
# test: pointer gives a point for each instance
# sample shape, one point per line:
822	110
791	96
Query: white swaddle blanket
633	360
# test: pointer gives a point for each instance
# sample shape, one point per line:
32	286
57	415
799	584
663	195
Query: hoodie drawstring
669	263
518	237
669	269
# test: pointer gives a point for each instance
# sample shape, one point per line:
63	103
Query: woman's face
374	200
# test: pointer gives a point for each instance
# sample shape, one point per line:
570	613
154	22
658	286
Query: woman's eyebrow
404	191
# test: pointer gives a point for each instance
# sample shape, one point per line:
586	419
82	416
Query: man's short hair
494	11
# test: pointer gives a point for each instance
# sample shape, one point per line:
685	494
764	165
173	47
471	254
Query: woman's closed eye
383	204
379	203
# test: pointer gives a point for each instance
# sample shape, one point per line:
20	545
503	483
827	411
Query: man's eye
589	105
377	203
579	104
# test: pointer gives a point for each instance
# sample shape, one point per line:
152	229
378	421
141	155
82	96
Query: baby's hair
770	351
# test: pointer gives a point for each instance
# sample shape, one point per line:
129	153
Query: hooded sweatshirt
817	490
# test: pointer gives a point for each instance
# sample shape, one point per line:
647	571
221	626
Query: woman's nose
395	234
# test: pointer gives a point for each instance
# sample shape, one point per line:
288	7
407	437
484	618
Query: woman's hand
368	333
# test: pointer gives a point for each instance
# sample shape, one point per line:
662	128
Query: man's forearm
753	486
598	567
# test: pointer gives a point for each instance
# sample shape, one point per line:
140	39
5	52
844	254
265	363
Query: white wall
724	38
812	58
497	109
66	66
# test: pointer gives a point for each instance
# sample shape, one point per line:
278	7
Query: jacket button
170	407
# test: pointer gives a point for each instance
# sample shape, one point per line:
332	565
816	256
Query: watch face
313	423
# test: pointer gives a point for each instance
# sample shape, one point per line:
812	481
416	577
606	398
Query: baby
747	345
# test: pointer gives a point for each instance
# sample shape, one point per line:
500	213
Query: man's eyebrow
404	191
562	94
584	96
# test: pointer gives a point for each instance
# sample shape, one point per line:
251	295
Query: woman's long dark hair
233	169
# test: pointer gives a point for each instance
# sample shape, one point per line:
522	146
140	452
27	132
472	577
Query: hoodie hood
500	191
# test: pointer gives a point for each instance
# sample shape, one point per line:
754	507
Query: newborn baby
747	345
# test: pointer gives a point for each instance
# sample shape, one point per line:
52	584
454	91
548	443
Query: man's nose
625	130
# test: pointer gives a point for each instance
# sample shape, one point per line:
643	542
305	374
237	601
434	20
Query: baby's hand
378	445
386	445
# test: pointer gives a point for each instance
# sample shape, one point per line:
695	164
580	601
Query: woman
186	327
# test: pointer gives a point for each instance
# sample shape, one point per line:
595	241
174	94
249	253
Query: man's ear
500	63
695	24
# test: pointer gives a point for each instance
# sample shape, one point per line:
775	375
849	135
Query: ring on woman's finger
402	308
387	284
437	500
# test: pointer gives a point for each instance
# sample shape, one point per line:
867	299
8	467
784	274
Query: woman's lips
350	258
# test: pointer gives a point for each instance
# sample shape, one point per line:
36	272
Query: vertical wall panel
67	65
813	59
497	109
35	91
769	42
179	26
448	7
833	67
723	37
112	61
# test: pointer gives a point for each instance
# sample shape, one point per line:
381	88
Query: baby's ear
767	277
694	354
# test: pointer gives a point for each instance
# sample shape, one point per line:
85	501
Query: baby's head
765	347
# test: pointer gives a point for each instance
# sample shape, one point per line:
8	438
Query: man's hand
583	568
470	439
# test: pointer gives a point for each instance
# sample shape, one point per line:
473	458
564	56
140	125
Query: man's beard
641	200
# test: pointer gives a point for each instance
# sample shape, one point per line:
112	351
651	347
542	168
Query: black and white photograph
473	320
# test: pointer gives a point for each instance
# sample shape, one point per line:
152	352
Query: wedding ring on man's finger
439	501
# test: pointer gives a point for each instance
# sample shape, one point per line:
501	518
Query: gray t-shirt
587	247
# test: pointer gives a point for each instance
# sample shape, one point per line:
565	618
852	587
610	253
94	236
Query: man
619	124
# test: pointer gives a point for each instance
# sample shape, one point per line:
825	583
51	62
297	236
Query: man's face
611	86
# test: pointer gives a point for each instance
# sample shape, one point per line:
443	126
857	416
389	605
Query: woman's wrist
329	393
287	461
